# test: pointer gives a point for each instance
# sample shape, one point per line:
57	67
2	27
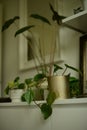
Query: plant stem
36	103
64	71
33	52
53	49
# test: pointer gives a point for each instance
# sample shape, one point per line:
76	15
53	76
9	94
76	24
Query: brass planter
60	85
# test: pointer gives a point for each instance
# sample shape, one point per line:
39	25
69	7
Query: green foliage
26	28
16	79
57	67
23	97
39	17
74	87
28	96
21	86
51	97
9	22
15	84
73	68
46	110
39	77
28	81
7	90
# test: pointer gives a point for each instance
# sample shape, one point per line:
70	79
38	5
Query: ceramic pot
16	94
59	85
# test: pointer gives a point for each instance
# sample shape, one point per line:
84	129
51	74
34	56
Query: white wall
10	46
69	39
69	43
68	114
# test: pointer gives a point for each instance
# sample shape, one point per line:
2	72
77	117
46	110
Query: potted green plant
75	90
38	55
44	70
46	108
15	89
38	79
60	84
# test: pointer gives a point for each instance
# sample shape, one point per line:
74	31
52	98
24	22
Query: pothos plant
15	84
46	108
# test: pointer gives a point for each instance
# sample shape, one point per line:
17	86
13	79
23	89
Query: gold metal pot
60	85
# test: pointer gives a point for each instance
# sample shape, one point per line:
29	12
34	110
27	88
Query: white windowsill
57	102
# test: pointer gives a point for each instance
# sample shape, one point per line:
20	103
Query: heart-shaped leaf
39	77
46	110
51	97
29	96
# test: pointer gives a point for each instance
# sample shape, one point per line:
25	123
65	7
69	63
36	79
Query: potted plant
15	89
75	90
60	84
38	55
38	79
44	71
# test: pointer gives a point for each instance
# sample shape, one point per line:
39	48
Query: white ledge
57	102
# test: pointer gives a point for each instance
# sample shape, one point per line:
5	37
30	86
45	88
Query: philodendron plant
39	56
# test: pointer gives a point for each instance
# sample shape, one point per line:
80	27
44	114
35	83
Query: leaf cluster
57	67
46	108
75	90
29	95
15	84
29	83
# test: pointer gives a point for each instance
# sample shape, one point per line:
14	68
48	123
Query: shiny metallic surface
60	85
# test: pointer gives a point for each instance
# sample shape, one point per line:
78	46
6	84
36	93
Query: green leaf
75	89
16	17
23	97
39	17
46	110
70	67
73	79
23	29
21	86
57	67
16	79
9	22
51	97
29	96
28	81
7	90
39	77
